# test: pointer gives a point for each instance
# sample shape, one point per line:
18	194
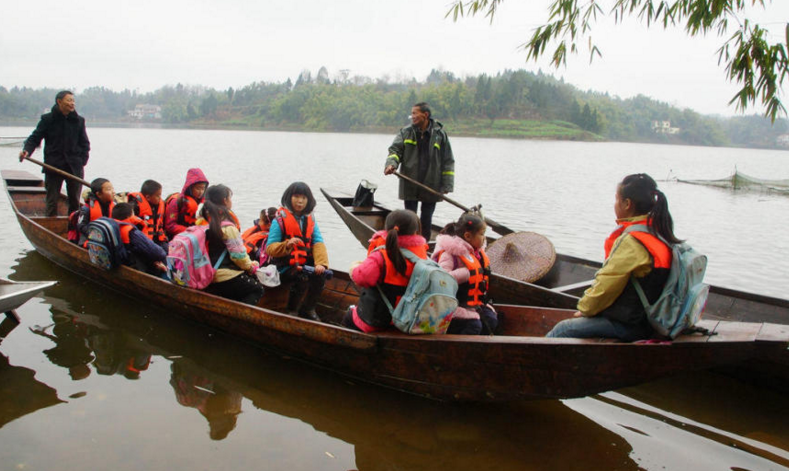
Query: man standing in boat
424	152
66	147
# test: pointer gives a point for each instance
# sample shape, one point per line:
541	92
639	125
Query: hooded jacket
451	248
404	154
66	143
172	224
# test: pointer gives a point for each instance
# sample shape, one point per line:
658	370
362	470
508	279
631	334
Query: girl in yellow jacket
611	307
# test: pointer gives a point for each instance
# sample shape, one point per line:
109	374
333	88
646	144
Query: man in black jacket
66	148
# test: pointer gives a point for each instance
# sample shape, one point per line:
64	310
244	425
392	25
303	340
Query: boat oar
498	228
58	171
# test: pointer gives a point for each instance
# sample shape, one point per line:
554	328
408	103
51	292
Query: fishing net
740	181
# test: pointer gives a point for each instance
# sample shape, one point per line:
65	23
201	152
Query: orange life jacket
126	226
94	207
472	292
376	241
660	252
394	283
253	238
187	209
153	224
94	211
290	228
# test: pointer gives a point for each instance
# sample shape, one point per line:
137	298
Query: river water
95	380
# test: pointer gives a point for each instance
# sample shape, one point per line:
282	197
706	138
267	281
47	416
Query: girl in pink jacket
460	250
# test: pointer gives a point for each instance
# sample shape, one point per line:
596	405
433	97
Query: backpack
429	300
684	296
105	247
187	258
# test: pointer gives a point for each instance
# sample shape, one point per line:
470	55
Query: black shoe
311	315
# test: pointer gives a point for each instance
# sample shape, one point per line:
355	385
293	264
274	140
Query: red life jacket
472	292
290	228
660	252
153	223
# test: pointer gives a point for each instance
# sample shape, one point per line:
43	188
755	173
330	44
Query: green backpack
684	296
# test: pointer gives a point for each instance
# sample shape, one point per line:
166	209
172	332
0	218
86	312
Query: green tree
751	59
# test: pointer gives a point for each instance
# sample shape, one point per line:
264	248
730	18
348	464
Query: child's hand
578	314
319	269
160	266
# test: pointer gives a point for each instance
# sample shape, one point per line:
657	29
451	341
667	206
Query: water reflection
220	376
219	405
20	392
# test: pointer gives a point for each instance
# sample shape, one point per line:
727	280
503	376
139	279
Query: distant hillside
511	104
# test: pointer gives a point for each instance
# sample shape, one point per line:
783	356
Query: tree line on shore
513	103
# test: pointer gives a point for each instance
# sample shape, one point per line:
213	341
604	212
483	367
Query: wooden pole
498	228
58	171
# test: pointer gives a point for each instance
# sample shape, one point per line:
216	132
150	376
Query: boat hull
519	365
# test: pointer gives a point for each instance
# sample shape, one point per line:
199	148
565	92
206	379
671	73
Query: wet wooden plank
736	332
773	333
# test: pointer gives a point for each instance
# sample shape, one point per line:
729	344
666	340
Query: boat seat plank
27	189
773	333
736	332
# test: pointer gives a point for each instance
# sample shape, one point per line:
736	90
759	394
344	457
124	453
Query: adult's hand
390	169
319	269
23	155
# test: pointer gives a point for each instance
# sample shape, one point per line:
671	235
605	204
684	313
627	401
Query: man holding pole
66	148
424	152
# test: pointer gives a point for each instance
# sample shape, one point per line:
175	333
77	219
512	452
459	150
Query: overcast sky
145	44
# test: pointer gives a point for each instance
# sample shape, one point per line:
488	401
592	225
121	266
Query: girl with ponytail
235	276
460	250
611	306
385	267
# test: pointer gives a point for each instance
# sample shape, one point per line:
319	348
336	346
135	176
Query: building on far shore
146	111
664	127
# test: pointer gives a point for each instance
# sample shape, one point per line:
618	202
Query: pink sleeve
447	262
368	273
171	225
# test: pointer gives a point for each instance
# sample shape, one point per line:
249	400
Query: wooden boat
569	277
13	294
518	364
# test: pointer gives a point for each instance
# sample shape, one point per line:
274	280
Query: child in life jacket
235	276
611	307
99	203
293	241
460	250
385	267
256	236
181	210
143	253
149	207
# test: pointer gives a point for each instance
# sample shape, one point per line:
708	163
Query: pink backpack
187	259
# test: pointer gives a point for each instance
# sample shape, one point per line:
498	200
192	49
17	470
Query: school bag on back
429	300
105	247
684	296
187	259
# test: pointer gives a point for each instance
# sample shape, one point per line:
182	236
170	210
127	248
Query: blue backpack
429	300
684	296
105	247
